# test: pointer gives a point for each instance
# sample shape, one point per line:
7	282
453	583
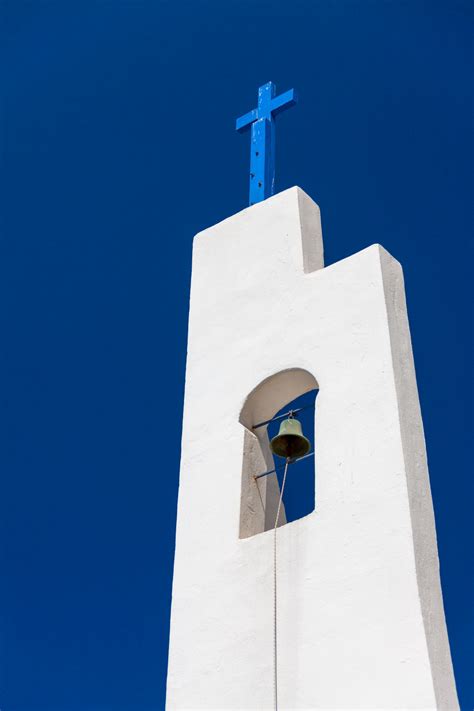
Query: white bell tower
360	612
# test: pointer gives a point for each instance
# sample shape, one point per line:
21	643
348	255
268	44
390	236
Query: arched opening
287	390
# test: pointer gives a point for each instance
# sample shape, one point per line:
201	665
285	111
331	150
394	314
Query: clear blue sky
118	145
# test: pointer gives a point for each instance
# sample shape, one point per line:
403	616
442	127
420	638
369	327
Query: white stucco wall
361	621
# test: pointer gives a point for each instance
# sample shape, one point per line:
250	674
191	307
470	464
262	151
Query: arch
259	498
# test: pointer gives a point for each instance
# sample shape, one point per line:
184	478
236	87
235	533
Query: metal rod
282	417
292	461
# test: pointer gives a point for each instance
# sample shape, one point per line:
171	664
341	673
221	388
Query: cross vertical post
261	122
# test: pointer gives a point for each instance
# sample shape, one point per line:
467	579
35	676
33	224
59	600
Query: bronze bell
290	441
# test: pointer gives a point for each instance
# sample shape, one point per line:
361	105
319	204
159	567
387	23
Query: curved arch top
272	393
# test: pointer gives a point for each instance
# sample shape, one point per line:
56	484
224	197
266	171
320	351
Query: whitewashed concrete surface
361	621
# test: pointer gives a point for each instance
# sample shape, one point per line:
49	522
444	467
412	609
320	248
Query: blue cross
262	143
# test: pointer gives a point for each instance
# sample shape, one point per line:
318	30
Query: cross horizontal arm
244	122
283	102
